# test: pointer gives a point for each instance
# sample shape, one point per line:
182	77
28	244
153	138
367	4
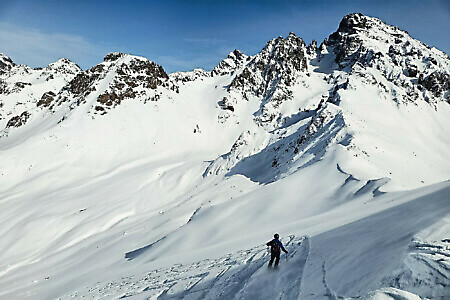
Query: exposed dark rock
113	56
238	55
6	64
183	77
143	66
275	65
236	59
46	99
270	75
399	64
351	22
346	41
411	71
130	75
437	82
225	105
21	85
244	79
312	48
81	83
97	69
62	66
145	72
3	87
17	87
18	121
113	99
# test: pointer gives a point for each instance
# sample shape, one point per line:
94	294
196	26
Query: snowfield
122	181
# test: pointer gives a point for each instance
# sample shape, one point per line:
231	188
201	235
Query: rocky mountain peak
235	60
131	77
237	55
312	48
277	65
282	54
63	66
357	34
283	47
119	77
271	74
361	46
183	77
6	63
113	56
127	64
363	42
351	22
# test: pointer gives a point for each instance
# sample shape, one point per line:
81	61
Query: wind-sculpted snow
240	275
125	181
290	153
370	252
380	243
426	265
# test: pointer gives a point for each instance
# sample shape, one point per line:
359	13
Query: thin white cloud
177	63
184	61
205	41
38	49
205	59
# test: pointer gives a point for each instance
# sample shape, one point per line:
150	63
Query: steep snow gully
123	181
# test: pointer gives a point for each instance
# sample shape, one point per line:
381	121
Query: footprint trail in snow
240	275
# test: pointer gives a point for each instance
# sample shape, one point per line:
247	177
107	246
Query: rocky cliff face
304	98
232	63
23	89
277	64
126	77
6	63
364	42
363	54
63	85
124	161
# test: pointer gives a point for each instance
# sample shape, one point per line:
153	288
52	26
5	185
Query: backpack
274	247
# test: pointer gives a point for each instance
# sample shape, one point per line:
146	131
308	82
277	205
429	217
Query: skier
275	246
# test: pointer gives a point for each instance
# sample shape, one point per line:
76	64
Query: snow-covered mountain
125	181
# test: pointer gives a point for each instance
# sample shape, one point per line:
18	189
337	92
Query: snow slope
125	181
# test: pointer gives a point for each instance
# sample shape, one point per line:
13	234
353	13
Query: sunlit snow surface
175	198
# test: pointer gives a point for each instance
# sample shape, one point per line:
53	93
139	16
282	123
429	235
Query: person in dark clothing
275	246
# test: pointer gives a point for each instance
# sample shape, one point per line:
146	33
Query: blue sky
182	35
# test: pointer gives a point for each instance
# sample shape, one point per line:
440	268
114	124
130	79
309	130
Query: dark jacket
275	246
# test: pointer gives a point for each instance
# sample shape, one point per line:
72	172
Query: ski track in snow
240	275
123	181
